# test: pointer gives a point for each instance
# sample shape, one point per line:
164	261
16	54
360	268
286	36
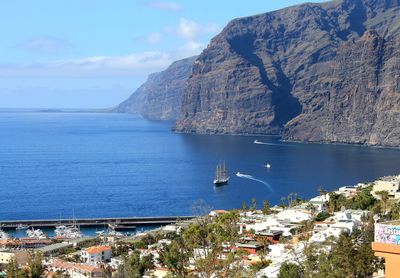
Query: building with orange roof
75	270
387	245
96	255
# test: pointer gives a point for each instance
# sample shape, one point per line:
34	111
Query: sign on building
389	234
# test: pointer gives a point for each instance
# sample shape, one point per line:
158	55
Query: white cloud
45	45
154	37
188	29
138	64
193	47
141	63
166	6
191	30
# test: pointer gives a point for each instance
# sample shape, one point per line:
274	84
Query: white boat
3	235
36	234
268	165
22	227
63	231
115	233
101	233
221	175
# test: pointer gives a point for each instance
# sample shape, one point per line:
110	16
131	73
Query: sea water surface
114	165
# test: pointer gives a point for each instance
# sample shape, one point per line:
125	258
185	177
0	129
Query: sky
95	53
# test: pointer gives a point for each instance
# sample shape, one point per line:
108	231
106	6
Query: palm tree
384	196
394	211
310	207
283	202
322	191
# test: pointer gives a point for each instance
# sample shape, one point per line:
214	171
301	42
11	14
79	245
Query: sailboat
221	175
69	231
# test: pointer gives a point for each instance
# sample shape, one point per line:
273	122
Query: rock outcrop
326	72
160	97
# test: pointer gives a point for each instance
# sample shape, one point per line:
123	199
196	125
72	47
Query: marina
122	222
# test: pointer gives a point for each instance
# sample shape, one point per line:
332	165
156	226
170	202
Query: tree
253	204
203	242
35	265
394	211
384	198
13	271
322	216
176	257
350	255
322	191
260	265
108	271
135	266
283	199
363	200
336	202
266	209
60	274
311	208
148	239
290	270
306	226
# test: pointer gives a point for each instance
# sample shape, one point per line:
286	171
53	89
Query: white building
96	255
348	191
390	184
320	202
344	222
293	216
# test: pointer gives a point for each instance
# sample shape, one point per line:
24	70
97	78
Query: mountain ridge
159	98
278	72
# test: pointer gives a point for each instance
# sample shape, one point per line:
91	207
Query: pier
93	222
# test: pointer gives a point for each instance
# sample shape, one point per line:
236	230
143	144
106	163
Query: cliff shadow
286	106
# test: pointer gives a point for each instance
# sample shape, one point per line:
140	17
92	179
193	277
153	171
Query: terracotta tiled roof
220	211
88	268
60	264
97	249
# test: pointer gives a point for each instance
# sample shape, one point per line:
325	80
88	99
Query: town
297	238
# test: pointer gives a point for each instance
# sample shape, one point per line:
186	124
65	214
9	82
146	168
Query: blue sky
95	53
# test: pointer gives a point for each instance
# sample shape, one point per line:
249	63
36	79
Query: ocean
54	165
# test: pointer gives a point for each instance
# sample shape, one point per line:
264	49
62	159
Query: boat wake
265	143
271	144
250	177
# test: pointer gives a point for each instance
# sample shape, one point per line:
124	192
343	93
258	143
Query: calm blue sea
106	165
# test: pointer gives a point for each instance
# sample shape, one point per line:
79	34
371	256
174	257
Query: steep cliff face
361	102
159	98
315	72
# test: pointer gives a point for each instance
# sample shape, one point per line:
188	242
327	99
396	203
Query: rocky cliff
159	98
325	72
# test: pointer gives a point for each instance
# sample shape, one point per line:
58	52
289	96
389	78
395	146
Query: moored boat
36	234
121	227
22	227
3	235
63	231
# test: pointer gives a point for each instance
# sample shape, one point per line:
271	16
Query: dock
93	222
